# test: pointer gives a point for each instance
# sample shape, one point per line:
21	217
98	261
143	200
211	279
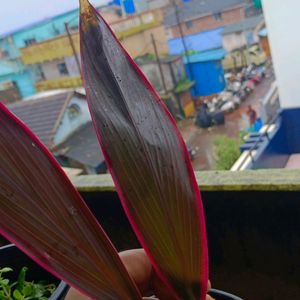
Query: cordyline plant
43	214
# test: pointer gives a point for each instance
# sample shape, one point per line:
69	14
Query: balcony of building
252	222
56	48
60	83
60	46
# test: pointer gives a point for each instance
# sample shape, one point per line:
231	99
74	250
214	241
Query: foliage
58	230
148	57
183	85
44	215
191	52
148	160
22	289
227	151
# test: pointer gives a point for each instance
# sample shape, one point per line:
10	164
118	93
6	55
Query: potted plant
43	214
40	282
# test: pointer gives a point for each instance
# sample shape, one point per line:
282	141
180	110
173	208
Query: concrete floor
202	139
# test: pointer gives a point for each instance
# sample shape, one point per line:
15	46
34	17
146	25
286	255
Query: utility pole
181	111
159	65
185	48
73	47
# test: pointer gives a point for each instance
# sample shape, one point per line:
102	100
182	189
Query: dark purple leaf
43	214
147	158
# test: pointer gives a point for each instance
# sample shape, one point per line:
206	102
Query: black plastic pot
11	256
220	295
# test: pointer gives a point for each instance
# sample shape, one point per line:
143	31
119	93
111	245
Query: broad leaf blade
43	214
147	158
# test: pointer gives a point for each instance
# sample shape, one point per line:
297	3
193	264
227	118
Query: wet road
202	139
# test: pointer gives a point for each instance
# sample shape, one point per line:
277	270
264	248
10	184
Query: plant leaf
6	269
147	158
43	214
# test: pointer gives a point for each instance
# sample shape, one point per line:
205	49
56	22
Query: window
74	28
62	69
29	42
217	16
73	111
39	73
189	24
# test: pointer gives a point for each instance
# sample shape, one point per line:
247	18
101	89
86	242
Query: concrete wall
8	48
50	69
69	125
151	71
72	66
253	237
209	22
282	19
234	41
23	80
140	43
239	39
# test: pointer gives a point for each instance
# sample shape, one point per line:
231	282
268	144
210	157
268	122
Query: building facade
18	73
42	57
243	33
201	16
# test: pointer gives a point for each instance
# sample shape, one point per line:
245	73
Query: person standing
252	115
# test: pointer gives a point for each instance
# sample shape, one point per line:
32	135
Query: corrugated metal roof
202	41
82	146
197	8
247	24
212	55
42	115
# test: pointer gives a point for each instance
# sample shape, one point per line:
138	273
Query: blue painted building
128	6
205	68
46	29
11	67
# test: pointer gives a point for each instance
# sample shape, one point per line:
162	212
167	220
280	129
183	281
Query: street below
202	139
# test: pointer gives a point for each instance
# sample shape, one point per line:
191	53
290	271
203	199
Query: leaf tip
87	14
84	6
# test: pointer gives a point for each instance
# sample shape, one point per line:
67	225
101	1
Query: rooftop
82	146
216	54
202	41
196	9
247	24
43	114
